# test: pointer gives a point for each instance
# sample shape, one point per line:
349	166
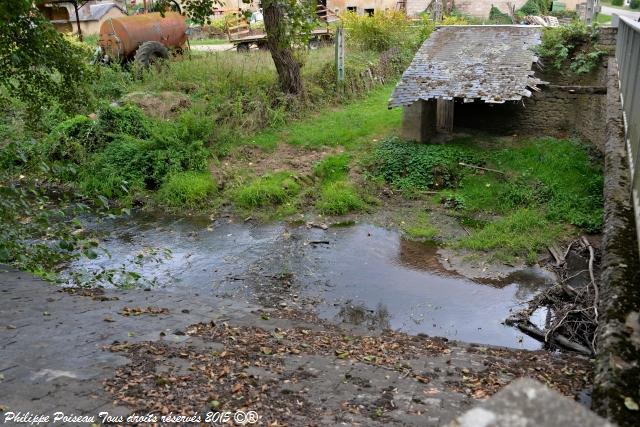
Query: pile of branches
572	311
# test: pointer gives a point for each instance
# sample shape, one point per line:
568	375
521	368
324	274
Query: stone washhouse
459	65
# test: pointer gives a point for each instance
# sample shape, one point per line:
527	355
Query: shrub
187	189
427	26
127	120
571	44
72	140
130	164
616	2
455	20
379	32
118	170
75	139
339	198
268	190
634	4
496	16
414	167
332	168
531	7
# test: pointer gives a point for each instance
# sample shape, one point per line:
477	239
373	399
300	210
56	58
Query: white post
340	54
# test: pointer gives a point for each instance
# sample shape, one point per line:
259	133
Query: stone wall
617	377
607	36
557	110
481	8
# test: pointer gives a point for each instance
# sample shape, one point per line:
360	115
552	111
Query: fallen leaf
631	404
266	350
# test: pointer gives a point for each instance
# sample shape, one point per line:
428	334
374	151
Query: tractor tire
150	53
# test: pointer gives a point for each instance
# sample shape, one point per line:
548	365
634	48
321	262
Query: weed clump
413	167
187	189
420	227
76	138
268	190
129	165
332	168
339	198
571	45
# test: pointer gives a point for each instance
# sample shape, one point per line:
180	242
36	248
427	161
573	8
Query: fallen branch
557	339
571	309
481	168
592	276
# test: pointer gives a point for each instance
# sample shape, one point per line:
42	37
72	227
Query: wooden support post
444	121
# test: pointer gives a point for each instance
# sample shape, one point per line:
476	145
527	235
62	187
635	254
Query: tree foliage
36	62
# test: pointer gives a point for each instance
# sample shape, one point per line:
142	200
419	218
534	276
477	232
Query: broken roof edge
486	99
497	66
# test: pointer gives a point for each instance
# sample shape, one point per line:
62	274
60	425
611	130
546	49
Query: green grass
339	198
603	19
419	227
332	168
348	126
523	232
545	185
208	42
267	191
187	189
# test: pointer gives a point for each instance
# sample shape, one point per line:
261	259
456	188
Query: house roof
492	63
97	11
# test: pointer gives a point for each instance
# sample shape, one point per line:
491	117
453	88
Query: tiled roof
492	63
97	11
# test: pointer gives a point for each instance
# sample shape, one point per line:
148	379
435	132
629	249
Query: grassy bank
216	134
512	197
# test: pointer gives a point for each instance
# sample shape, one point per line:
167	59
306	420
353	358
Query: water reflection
365	275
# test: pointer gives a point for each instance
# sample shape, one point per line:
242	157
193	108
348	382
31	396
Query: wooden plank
444	115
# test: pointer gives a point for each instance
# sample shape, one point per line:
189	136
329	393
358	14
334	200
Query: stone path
55	357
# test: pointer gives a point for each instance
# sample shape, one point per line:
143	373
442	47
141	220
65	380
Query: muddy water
359	274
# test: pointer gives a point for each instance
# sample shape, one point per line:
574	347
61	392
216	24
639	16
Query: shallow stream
359	274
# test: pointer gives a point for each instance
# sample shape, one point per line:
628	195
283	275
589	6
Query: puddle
360	274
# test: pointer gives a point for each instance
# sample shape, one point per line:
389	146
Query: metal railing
628	57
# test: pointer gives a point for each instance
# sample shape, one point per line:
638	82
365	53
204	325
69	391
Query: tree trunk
287	66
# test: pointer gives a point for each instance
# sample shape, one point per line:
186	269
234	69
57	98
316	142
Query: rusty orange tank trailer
143	38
